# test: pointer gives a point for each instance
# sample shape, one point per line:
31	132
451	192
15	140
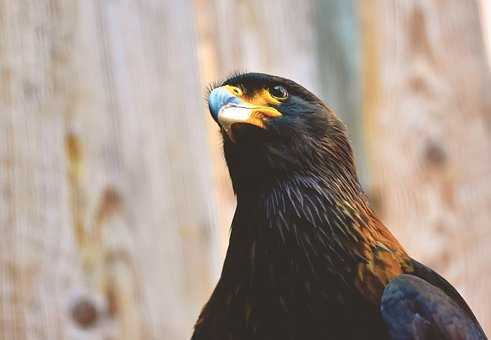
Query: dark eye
279	92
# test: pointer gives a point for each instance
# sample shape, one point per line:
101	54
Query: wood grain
105	173
428	116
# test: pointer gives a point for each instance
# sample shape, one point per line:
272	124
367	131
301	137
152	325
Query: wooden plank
264	36
428	107
105	182
485	10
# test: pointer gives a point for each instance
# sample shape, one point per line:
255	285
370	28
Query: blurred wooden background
114	198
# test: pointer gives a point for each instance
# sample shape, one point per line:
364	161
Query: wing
413	308
430	276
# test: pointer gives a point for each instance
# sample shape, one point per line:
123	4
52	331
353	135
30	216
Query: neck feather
302	221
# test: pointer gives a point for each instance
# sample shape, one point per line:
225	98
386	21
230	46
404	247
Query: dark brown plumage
307	257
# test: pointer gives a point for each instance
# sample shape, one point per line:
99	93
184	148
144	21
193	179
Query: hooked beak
228	108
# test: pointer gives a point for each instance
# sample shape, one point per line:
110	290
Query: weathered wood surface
485	11
105	216
428	115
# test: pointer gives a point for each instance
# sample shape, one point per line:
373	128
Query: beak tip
215	103
217	99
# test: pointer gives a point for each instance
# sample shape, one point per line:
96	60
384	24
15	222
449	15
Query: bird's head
274	128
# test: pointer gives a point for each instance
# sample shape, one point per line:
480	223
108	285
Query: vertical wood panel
428	113
105	176
485	10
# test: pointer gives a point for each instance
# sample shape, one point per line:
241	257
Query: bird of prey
308	259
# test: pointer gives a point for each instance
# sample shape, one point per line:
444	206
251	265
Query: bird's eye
279	92
237	91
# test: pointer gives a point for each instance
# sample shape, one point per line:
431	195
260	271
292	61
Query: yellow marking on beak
263	97
252	110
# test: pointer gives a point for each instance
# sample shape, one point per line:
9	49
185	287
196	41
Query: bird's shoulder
384	260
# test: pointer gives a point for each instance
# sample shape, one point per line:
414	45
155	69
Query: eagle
307	258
